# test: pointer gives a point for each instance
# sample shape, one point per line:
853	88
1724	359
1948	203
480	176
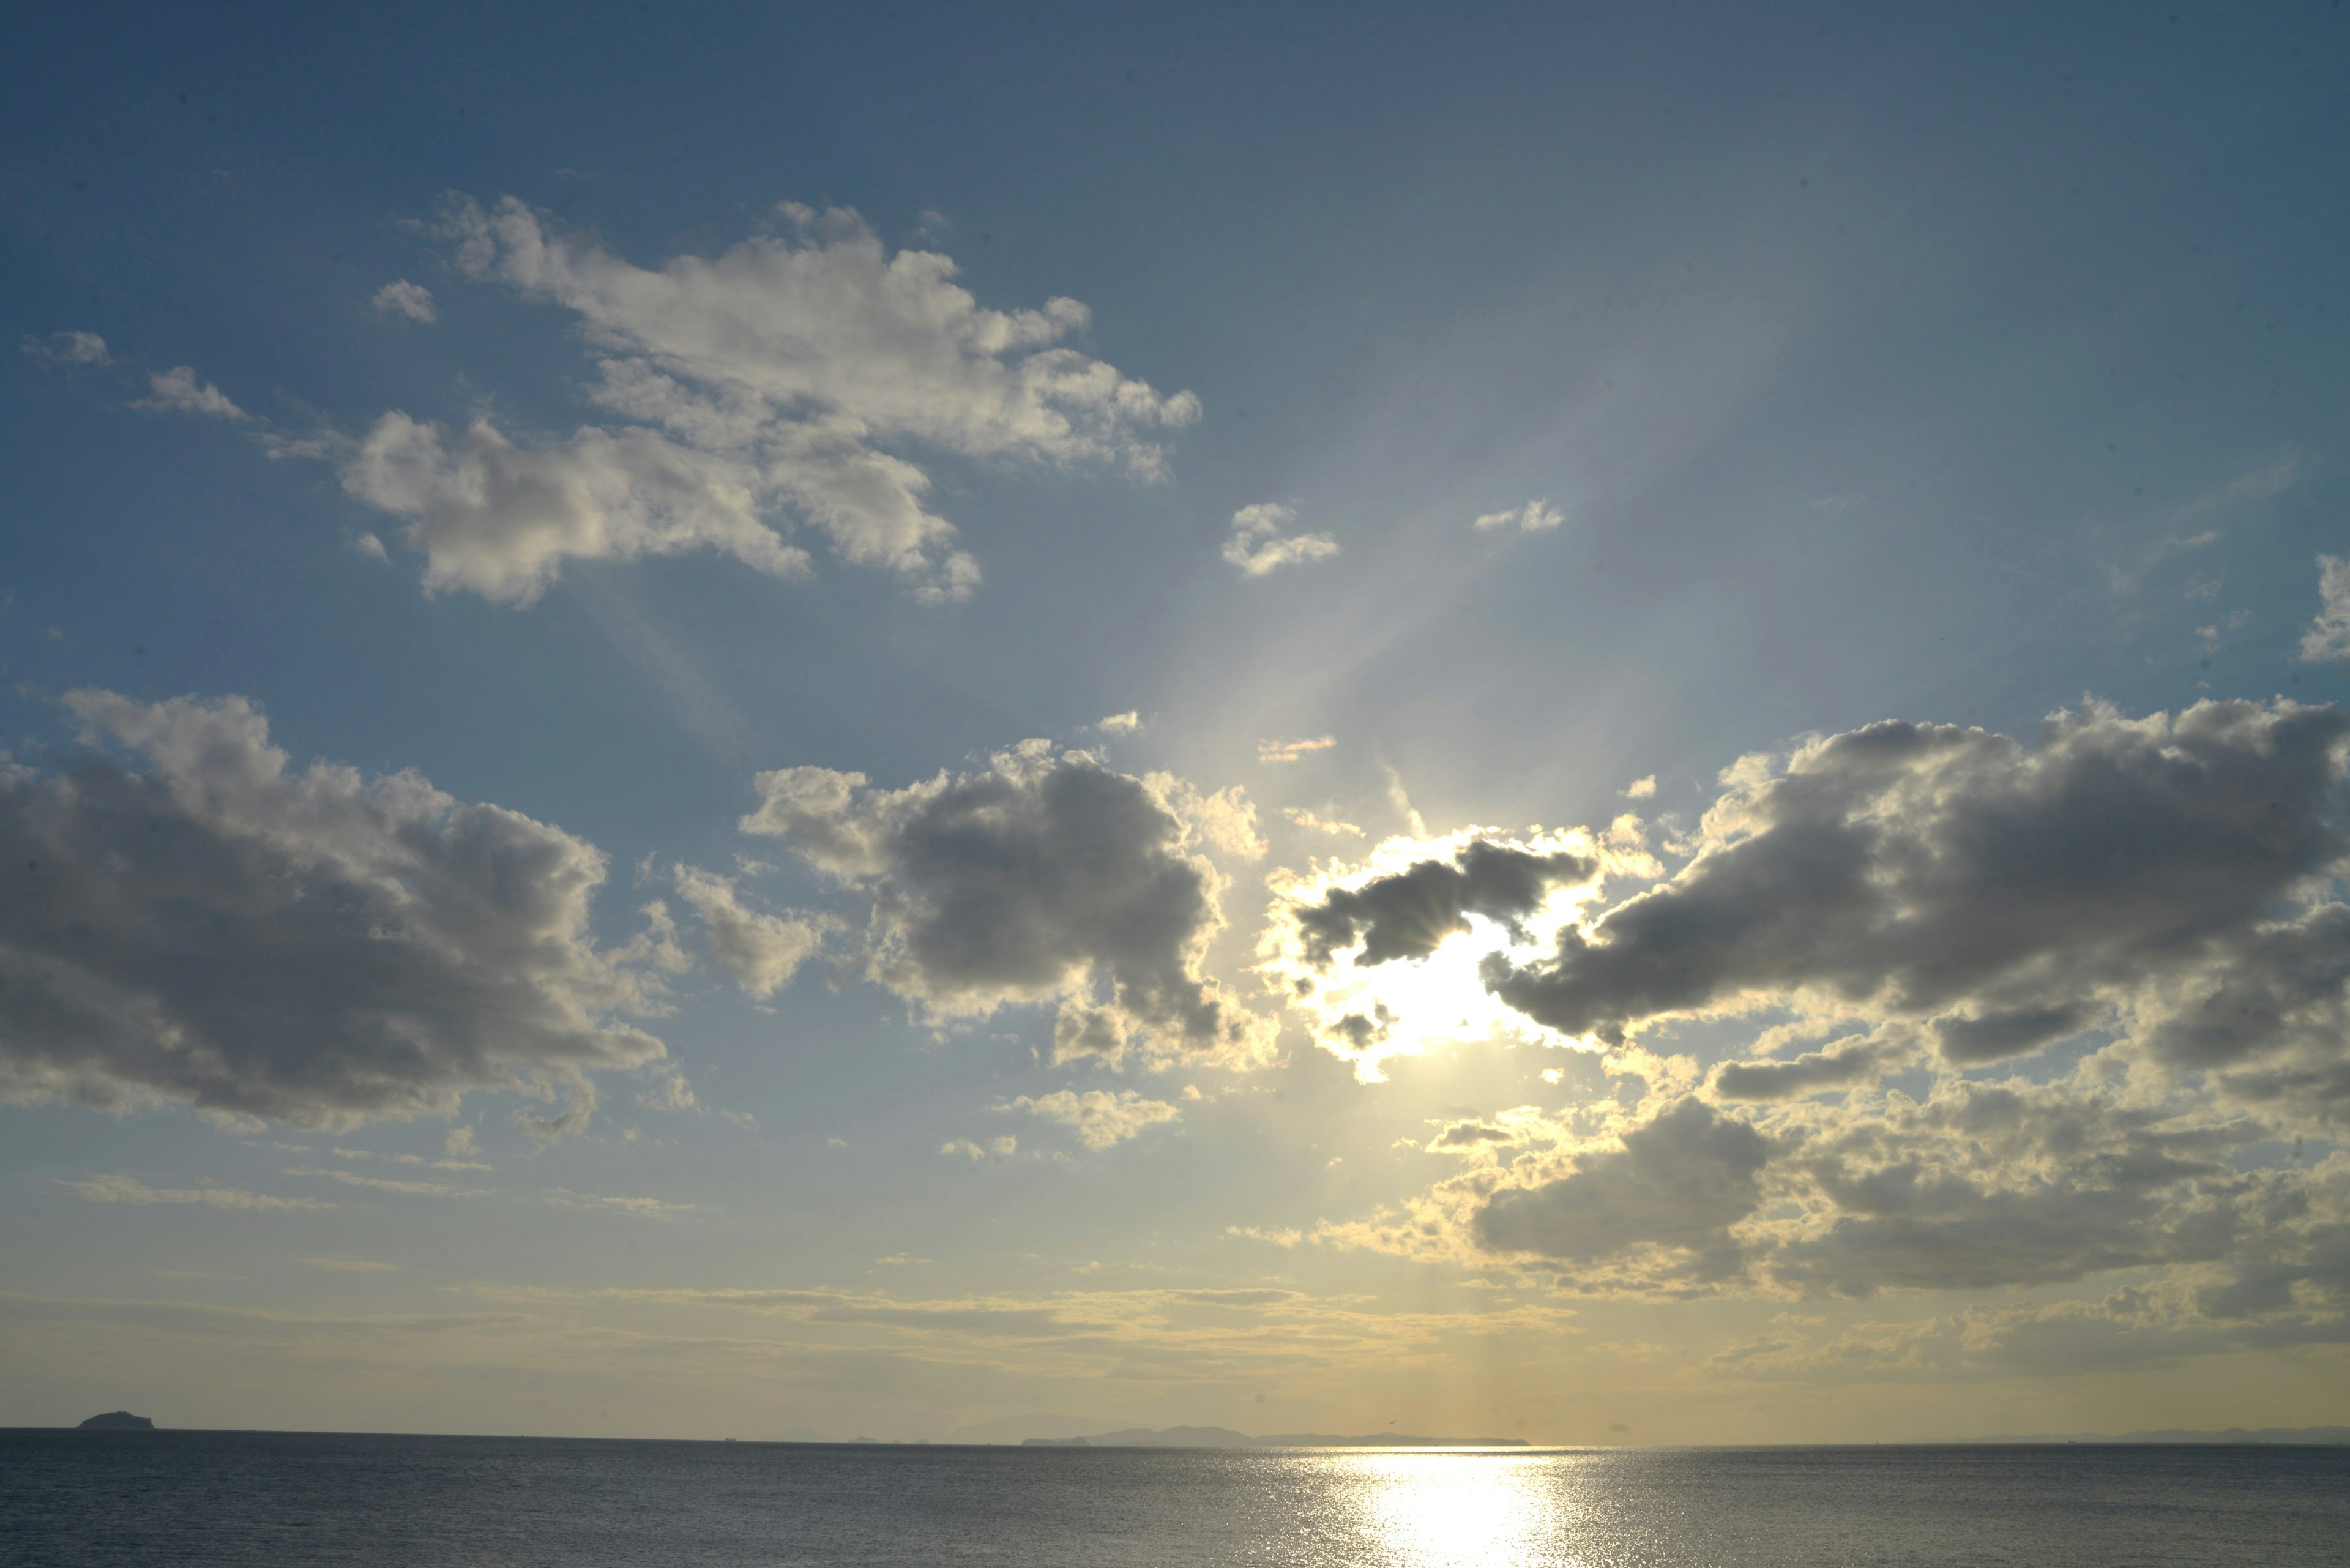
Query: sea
133	1499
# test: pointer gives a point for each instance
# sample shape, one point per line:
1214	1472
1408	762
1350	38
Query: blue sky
1467	426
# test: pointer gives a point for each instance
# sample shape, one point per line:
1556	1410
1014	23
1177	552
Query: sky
1600	725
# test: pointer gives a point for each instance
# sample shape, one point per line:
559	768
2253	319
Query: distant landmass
1225	1438
2305	1435
116	1421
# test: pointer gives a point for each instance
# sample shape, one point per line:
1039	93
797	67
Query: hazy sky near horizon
1594	723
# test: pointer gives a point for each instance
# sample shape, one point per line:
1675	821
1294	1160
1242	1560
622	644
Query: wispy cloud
125	1189
1538	517
1290	751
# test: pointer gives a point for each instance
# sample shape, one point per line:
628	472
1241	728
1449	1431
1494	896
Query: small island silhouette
116	1421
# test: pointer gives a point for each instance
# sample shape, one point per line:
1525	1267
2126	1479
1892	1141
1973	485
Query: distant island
2321	1436
1225	1438
116	1421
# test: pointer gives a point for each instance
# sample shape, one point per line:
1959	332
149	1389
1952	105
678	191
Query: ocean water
291	1500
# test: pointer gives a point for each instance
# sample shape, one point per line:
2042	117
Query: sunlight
1443	1508
1415	1006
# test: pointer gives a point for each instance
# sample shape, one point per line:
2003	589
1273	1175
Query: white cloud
760	952
1534	517
1290	751
1002	1148
2328	637
1126	723
1100	1117
191	919
1259	546
1641	789
1046	876
124	1188
1306	819
499	520
407	301
69	348
776	384
177	390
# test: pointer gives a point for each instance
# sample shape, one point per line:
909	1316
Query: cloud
1101	1118
1291	751
1534	517
1306	819
177	390
1809	1074
1043	877
760	952
1126	723
124	1188
407	301
1406	914
499	520
1641	789
1258	546
69	348
1677	1183
2159	875
779	384
1002	1148
2328	637
189	917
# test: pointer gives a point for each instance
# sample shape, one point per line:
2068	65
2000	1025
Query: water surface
295	1499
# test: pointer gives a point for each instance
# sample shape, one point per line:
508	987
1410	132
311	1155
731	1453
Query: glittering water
289	1501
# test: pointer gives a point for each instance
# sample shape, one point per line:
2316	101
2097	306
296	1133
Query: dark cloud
1680	1181
1841	1067
1407	915
1043	877
1920	870
188	918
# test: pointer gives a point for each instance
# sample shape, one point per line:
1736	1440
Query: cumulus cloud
1641	789
2161	875
190	917
177	390
1405	915
774	386
1677	1183
1100	1117
759	952
1126	723
2328	637
406	301
1537	516
1043	878
499	520
1362	954
1921	912
69	348
1259	543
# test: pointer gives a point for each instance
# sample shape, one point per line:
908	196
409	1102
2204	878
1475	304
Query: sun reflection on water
1463	1509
